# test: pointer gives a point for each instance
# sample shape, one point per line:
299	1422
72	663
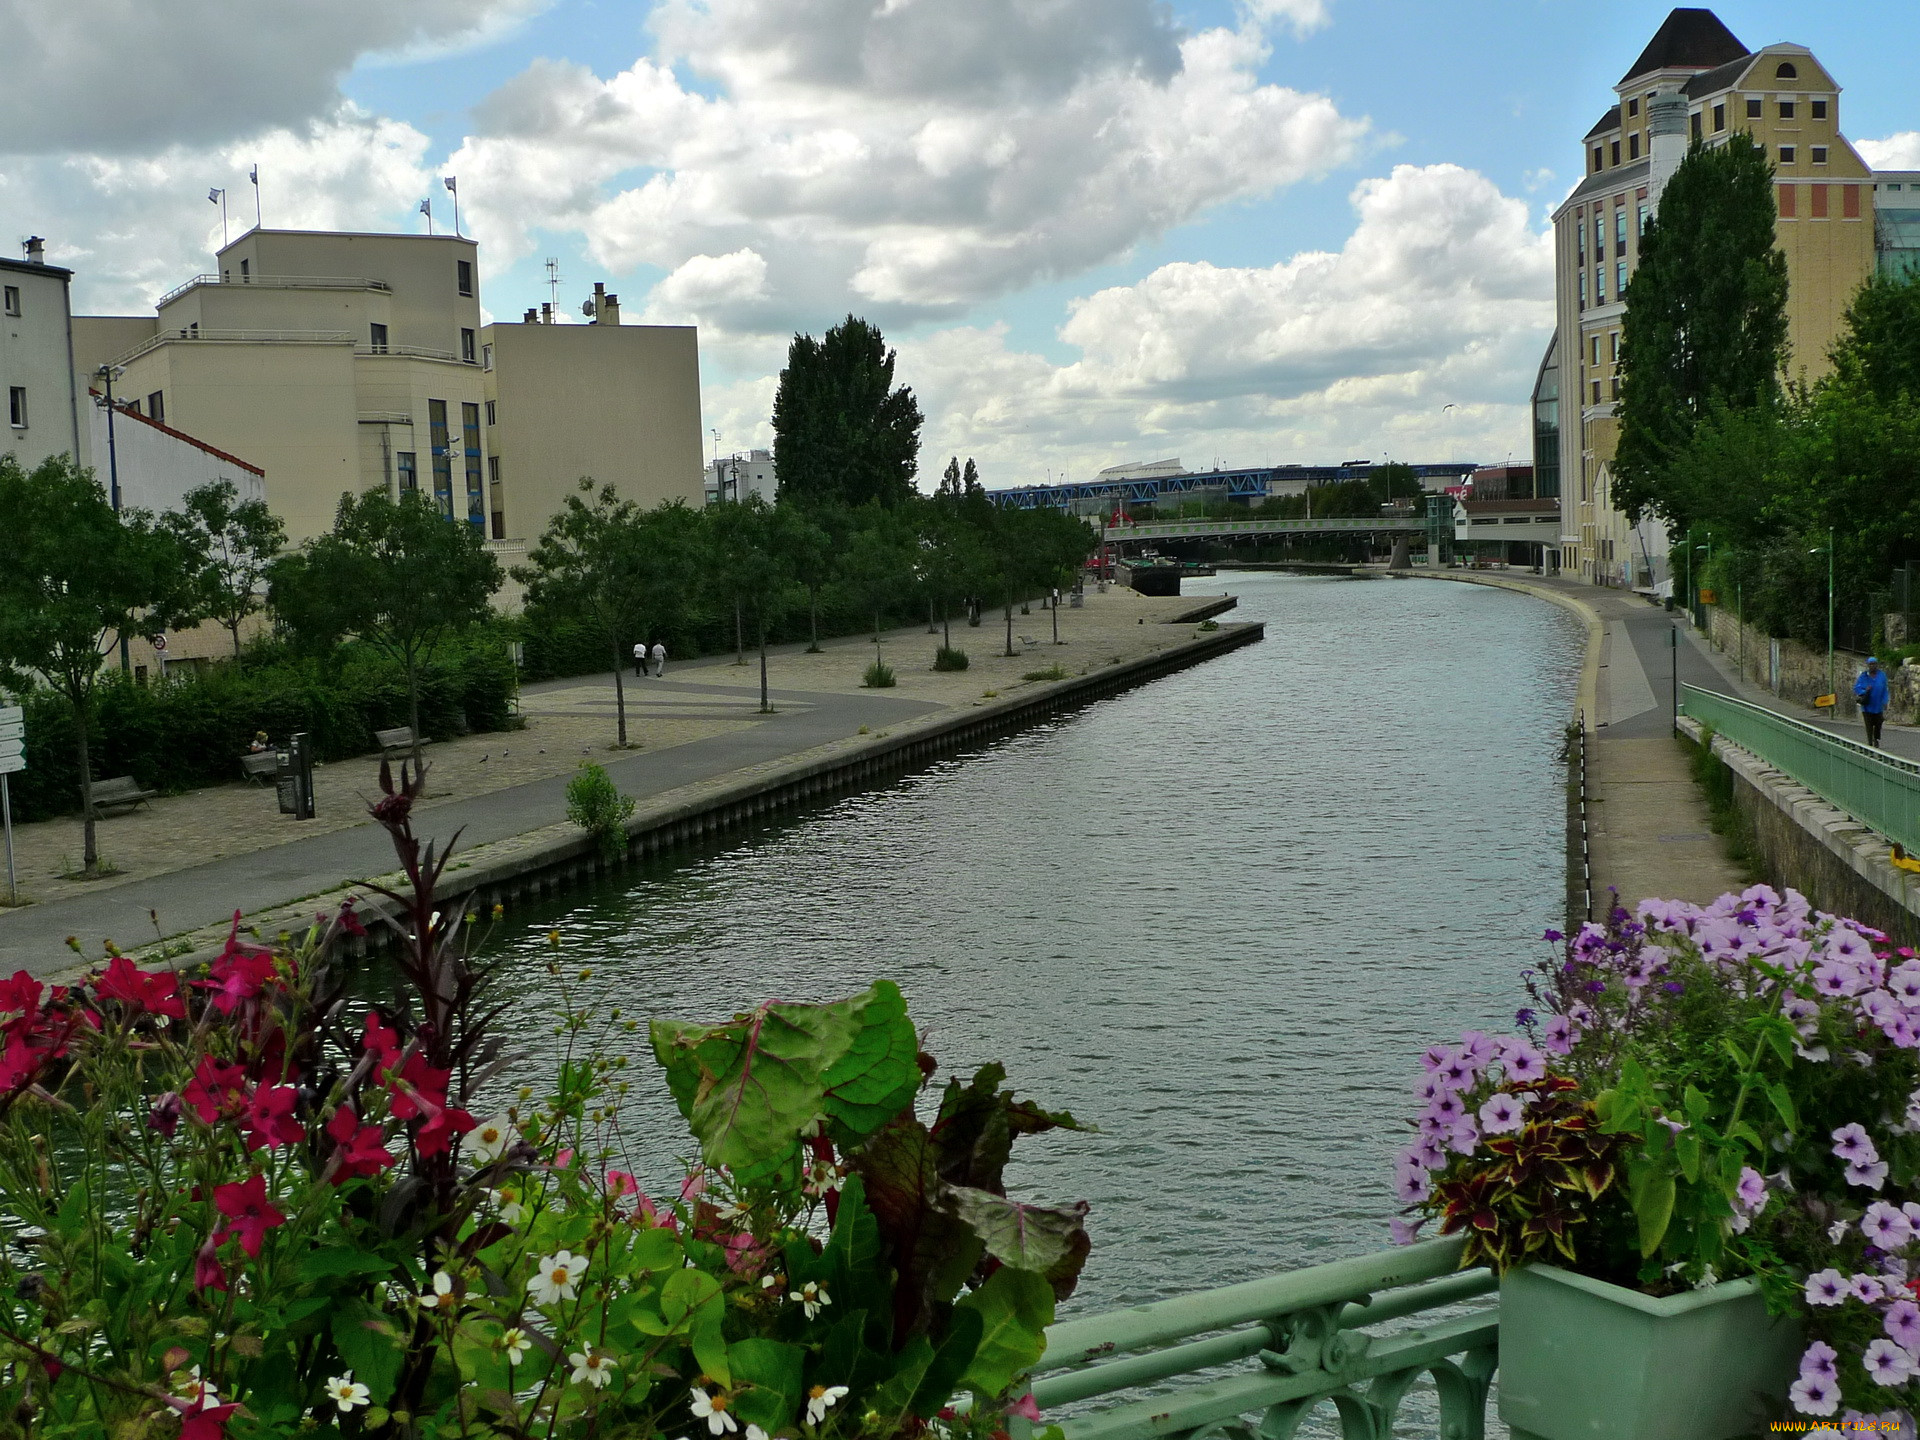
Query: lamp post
107	375
1815	550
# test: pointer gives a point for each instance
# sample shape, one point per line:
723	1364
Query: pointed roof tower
1687	40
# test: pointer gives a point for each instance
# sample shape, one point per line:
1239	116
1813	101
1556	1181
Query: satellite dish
586	308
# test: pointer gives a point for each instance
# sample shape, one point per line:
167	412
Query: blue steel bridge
1249	485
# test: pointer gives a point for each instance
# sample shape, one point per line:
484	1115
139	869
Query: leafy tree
749	567
843	430
806	540
877	569
233	543
1705	318
951	557
1879	351
78	579
604	561
1392	481
395	574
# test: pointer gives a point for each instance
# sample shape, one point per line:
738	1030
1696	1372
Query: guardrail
1299	1339
276	282
201	332
1171	529
1877	789
416	352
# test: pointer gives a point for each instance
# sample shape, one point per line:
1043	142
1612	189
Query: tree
393	573
76	581
1705	318
878	566
1879	351
233	543
806	541
604	561
951	559
842	429
748	567
1393	481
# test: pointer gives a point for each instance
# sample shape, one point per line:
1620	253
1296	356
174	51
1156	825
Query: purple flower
1904	1032
1888	1364
1501	1115
1432	1154
1434	1056
1412	1184
1904	982
1674	987
1903	1324
1836	978
1821	1359
1476	1048
1868	1177
1912	1212
1432	1088
1886	1226
1448	1107
1464	1136
1828	1287
1552	935
1457	1071
1851	1142
1402	1232
1847	945
1752	1189
1523	1063
1866	1289
1559	1035
1815	1395
1523	1016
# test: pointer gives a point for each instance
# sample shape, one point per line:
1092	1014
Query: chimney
532	317
598	303
35	249
546	312
1666	141
609	309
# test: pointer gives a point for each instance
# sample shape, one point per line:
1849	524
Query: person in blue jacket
1871	691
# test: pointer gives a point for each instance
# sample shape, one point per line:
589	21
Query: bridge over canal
1411	526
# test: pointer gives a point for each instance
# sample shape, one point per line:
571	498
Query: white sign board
13	739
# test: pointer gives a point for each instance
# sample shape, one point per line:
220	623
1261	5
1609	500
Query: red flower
216	1091
207	1424
361	1153
350	918
239	974
151	992
250	1214
19	1065
418	1089
434	1137
207	1274
269	1119
20	1003
381	1042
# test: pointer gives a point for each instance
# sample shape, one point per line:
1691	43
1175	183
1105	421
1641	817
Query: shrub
1207	627
879	676
1052	672
246	1207
947	658
595	804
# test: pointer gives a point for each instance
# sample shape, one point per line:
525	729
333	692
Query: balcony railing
192	333
1275	1348
276	282
416	352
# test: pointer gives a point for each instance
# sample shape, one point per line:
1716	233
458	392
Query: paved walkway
699	722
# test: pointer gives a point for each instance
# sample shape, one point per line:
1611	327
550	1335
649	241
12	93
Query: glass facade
1896	227
476	485
442	456
1546	424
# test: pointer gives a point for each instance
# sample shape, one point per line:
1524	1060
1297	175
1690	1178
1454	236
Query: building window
1786	71
1615	149
1719	117
132	407
1786	201
1640	224
1579	240
377	338
1599	284
1616	387
13	299
1850	201
1786	154
1786	109
1819	154
1818	194
470	438
1817	108
1753	109
1596	392
1596	351
1619	229
17	406
1633	107
1596	157
464	268
1613	347
246	272
493	470
1633	146
157	406
1694	121
492	414
486	357
409	476
442	456
1599	235
1619	279
467	348
1583	289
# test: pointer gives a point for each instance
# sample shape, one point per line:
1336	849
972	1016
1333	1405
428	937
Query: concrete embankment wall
554	858
1801	840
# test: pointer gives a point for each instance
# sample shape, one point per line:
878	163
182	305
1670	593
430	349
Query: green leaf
880	1072
770	1372
932	1248
951	1358
319	1264
1783	1106
1686	1149
1050	1240
370	1343
1650	1188
692	1304
892	1399
1698	1107
1015	1308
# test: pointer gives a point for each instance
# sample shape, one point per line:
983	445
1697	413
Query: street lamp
1832	698
107	374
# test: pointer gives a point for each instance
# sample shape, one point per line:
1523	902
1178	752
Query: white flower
822	1398
590	1367
441	1296
556	1278
488	1141
713	1410
754	1432
514	1341
1836	1230
810	1297
189	1386
347	1392
507	1202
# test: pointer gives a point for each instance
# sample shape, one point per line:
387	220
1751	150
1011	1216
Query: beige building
36	359
346	362
1694	83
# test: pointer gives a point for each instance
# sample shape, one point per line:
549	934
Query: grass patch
946	658
1052	672
1715	779
879	676
1209	626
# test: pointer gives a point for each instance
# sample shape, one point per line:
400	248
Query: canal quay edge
553	858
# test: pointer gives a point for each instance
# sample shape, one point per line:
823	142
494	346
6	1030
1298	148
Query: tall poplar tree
843	431
1705	322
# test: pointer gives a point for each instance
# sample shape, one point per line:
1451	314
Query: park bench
396	741
1029	642
123	792
259	766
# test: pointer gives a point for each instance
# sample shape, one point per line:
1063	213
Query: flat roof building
36	358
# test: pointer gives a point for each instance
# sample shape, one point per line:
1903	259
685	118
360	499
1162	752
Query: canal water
1218	916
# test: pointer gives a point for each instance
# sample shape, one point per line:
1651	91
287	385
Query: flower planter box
1584	1360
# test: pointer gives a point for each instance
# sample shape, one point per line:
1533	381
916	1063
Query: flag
215	195
254	176
426	208
449	182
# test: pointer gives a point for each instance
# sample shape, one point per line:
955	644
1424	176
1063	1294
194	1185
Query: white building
157	465
737	476
36	358
1148	470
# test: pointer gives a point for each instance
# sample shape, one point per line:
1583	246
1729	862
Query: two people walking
1871	691
641	655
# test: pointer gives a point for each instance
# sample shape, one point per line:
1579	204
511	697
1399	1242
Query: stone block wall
1800	671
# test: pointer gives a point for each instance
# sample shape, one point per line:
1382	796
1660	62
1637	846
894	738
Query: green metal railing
1294	1341
1201	529
1877	789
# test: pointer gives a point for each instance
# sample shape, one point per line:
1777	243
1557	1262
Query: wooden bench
123	792
258	766
393	742
1029	642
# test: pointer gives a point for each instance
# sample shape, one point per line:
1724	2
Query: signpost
13	756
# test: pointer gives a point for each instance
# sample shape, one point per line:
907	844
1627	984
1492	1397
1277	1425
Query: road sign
160	644
13	739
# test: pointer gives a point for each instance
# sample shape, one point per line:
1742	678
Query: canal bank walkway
188	861
1650	831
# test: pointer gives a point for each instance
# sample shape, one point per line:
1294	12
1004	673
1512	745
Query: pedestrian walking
640	658
660	659
1871	691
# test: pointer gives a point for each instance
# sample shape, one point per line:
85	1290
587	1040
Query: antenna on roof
553	280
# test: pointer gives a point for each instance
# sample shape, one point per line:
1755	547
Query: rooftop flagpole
426	209
220	198
254	176
452	184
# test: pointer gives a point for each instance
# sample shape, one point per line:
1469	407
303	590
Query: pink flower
142	990
1815	1395
1851	1142
361	1149
1025	1407
418	1089
380	1042
620	1183
1827	1287
216	1091
1868	1177
1902	1323
269	1121
656	1218
250	1214
1885	1226
239	975
1502	1115
436	1137
207	1274
209	1422
1887	1364
1820	1358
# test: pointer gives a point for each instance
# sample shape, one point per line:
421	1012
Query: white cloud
1896	152
1303	16
135	77
709	281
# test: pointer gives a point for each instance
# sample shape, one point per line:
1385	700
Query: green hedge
192	730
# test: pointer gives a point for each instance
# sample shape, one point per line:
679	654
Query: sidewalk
192	859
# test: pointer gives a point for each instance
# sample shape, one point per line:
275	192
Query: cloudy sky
1236	231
